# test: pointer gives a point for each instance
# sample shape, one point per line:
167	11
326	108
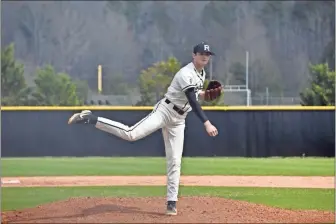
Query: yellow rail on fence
208	108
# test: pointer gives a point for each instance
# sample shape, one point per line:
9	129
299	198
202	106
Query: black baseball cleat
84	117
171	208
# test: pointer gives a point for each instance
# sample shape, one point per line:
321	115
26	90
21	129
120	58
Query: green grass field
320	199
157	166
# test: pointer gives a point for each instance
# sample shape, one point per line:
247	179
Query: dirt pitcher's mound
151	210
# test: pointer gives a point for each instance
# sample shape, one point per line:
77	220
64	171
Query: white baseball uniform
165	115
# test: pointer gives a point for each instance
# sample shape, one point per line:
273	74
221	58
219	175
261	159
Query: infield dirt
151	209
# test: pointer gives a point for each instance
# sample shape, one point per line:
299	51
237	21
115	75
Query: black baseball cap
203	48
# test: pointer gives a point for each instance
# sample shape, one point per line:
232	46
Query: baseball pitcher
169	114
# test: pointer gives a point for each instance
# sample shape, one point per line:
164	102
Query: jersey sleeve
186	81
191	96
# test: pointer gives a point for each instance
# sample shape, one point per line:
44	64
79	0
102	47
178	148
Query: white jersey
187	77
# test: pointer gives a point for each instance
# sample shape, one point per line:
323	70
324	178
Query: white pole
210	68
267	95
247	65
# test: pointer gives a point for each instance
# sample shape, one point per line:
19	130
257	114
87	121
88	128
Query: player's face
201	59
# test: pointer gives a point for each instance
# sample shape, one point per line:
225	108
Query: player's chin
205	62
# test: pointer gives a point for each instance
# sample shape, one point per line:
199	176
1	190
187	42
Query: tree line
52	88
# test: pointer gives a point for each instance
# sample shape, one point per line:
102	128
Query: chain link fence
241	99
229	99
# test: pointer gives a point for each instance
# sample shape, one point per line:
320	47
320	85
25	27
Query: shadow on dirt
96	210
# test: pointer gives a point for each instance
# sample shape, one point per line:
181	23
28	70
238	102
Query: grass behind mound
319	199
157	166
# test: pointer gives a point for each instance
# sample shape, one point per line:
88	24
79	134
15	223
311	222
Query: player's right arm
211	130
188	85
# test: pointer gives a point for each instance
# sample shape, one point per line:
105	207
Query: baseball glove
213	91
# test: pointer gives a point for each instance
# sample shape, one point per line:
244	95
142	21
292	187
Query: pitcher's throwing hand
211	130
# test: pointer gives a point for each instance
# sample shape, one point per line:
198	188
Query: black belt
178	110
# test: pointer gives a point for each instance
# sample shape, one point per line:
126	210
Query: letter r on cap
206	48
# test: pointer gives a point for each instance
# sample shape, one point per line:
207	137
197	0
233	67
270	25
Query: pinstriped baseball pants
172	125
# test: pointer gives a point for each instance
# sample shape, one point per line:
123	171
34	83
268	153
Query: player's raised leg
173	136
84	117
151	123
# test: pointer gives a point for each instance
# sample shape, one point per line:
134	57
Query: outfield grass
157	166
320	199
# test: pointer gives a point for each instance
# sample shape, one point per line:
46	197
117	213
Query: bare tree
53	33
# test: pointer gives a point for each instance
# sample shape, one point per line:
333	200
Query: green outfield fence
244	131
